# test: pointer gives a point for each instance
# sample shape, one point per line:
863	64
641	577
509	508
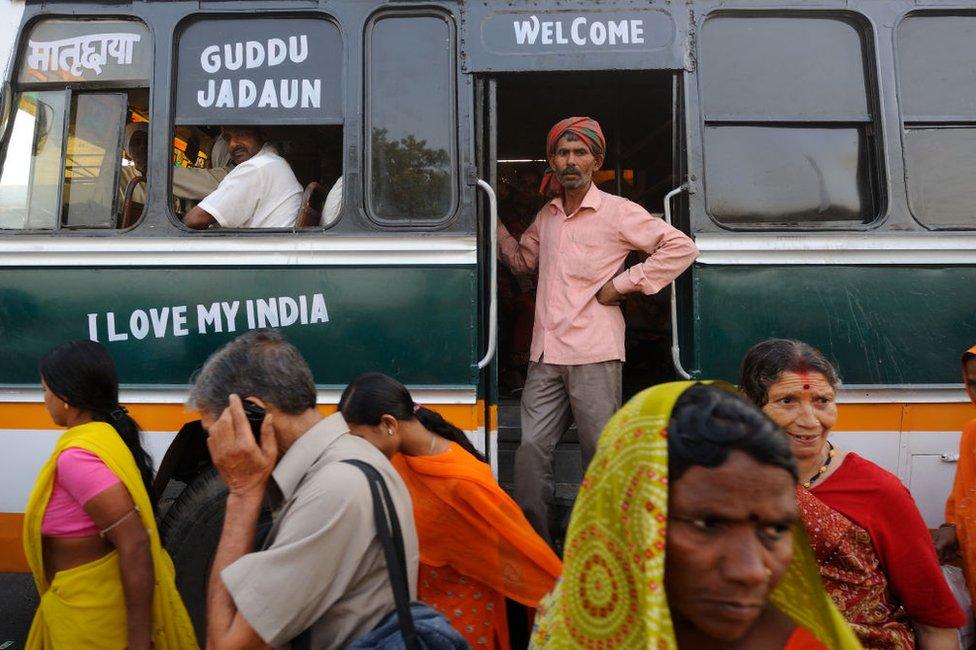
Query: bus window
63	163
258	124
201	161
31	179
788	137
92	160
410	124
937	88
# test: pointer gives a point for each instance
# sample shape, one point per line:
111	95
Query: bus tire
190	530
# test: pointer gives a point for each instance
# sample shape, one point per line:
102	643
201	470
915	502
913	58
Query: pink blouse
575	254
80	476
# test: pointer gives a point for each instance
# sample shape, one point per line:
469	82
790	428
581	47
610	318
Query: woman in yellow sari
685	535
89	529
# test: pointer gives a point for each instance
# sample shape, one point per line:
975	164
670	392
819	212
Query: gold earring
65	406
769	572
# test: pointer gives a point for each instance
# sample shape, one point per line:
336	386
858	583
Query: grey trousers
553	397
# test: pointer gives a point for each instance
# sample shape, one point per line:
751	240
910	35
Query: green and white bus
822	155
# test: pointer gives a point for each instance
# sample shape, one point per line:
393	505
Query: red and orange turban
587	129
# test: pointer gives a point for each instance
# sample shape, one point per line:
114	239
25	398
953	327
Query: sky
10	14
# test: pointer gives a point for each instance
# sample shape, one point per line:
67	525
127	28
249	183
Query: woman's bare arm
936	638
113	507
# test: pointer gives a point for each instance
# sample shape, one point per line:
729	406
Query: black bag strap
385	516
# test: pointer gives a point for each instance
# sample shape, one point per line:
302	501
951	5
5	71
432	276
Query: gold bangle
102	533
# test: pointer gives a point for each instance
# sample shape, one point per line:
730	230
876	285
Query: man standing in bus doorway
578	244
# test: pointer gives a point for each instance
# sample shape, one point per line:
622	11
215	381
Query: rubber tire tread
190	531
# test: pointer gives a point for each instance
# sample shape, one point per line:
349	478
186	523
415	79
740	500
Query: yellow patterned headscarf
611	594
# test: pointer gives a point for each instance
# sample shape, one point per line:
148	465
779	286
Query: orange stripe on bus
170	417
904	417
937	417
12	559
869	417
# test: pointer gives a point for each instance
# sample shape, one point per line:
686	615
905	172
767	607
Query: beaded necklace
823	468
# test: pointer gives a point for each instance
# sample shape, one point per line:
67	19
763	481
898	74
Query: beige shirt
323	566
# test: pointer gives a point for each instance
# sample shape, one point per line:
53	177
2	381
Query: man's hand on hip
244	466
608	294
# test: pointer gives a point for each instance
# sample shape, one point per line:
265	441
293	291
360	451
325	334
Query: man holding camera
321	567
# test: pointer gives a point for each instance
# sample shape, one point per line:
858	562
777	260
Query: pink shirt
80	476
575	255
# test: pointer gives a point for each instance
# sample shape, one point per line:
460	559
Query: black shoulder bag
417	625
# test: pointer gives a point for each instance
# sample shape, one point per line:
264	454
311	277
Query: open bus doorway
636	112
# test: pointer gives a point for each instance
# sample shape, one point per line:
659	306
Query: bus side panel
881	324
161	323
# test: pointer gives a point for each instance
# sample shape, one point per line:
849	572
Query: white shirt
259	193
333	203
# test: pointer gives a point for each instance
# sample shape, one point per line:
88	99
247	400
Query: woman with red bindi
873	549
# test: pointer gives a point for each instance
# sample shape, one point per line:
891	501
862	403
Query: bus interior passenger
313	154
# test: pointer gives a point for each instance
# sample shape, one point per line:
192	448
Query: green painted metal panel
417	323
880	324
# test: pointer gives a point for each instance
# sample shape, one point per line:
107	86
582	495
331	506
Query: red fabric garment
476	547
878	502
589	132
474	609
802	639
852	575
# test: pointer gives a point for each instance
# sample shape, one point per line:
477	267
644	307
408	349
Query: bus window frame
875	127
453	214
15	89
120	135
177	33
65	125
944	122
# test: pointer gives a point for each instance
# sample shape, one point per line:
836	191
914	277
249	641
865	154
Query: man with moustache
260	192
578	243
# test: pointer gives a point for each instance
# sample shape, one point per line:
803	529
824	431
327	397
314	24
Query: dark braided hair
372	395
83	374
709	423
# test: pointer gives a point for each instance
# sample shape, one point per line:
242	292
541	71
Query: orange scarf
961	504
465	520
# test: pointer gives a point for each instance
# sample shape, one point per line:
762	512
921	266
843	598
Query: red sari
875	555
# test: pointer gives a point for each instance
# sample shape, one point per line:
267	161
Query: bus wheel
190	530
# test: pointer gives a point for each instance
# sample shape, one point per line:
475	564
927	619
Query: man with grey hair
321	568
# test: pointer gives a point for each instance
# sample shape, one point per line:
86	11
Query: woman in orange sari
476	547
958	534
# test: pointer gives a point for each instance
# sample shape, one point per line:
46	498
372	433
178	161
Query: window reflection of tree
410	180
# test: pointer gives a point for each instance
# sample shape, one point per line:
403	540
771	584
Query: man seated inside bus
189	183
260	192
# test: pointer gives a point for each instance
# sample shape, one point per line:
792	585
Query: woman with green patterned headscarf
685	535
